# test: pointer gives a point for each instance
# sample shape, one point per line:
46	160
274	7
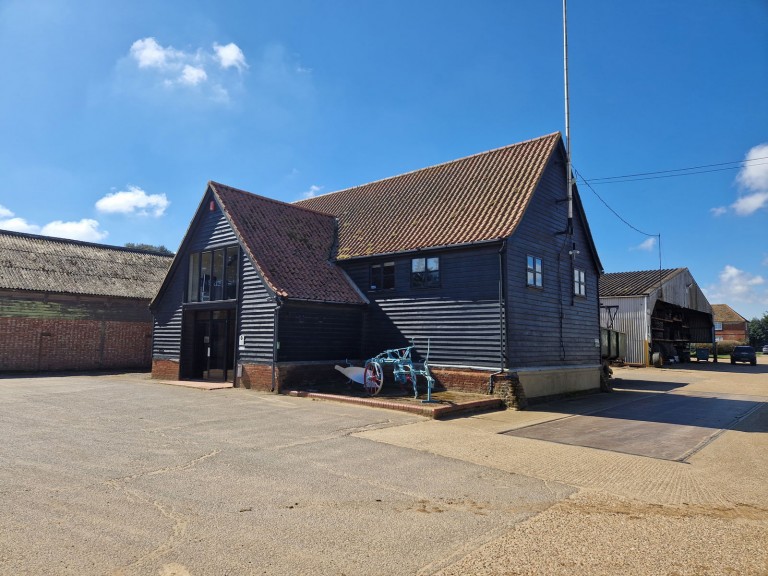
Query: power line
678	171
611	209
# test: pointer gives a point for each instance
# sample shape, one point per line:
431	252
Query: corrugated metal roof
473	199
726	314
291	246
639	283
45	264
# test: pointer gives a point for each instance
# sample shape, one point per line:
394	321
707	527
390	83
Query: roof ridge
438	165
213	183
60	240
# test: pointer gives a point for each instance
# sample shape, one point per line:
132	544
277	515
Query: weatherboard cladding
551	326
470	200
54	265
290	246
209	230
460	317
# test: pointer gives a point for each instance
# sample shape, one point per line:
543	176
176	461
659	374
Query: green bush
724	347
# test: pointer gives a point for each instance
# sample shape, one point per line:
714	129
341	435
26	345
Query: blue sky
114	115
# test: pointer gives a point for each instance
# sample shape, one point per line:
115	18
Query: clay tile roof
638	283
56	265
291	246
473	199
725	314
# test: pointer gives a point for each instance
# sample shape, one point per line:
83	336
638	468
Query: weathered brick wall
39	344
475	381
256	377
165	370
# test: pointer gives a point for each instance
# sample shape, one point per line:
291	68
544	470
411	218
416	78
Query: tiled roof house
729	324
474	256
69	305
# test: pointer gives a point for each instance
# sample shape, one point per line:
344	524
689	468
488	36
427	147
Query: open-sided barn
661	311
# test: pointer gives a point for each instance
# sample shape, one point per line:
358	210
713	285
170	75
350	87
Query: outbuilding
70	305
661	311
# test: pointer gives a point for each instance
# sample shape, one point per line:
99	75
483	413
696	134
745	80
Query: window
718	326
383	276
534	272
425	272
213	275
579	283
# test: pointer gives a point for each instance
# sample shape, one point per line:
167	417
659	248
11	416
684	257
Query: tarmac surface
118	474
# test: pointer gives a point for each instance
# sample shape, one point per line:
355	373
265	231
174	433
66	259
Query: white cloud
312	192
753	180
230	56
85	229
133	201
149	54
738	286
750	203
19	225
719	211
192	76
754	175
646	245
173	69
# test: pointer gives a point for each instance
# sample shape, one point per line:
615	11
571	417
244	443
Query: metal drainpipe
501	317
275	342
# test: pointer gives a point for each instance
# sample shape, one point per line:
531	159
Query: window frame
534	271
426	277
206	288
378	274
579	282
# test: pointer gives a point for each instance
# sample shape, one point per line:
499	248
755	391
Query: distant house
661	311
68	305
729	324
474	256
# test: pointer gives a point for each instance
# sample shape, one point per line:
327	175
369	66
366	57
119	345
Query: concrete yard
118	474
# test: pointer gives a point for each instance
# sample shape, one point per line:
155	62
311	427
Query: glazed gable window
534	272
579	283
425	272
213	275
382	276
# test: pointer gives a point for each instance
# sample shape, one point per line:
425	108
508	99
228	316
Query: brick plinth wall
474	381
256	377
37	344
165	369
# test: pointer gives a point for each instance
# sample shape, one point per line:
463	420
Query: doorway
213	349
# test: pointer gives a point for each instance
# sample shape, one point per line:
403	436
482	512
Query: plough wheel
373	378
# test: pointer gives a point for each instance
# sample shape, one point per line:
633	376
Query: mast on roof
569	229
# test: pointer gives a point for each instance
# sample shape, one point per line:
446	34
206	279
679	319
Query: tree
149	248
758	331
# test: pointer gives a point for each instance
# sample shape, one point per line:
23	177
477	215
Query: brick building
69	305
729	324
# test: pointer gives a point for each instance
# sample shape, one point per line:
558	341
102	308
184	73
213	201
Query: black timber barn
474	256
70	305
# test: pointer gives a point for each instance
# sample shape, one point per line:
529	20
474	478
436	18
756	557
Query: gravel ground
631	514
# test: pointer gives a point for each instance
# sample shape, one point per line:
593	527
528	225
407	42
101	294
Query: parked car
744	354
765	349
